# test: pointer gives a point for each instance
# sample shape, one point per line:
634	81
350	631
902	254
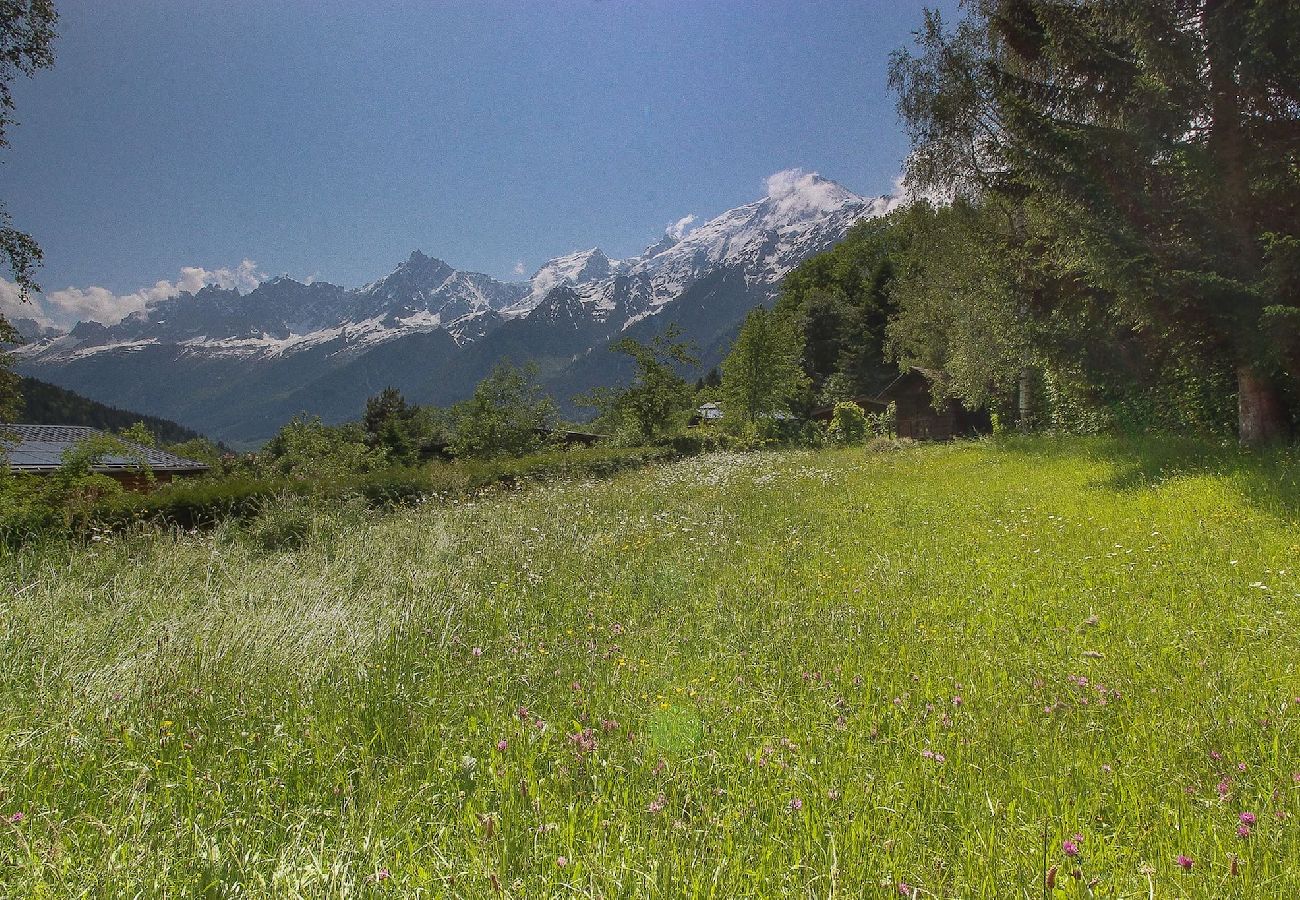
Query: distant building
709	412
39	449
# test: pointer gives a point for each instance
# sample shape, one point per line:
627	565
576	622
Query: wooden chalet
917	417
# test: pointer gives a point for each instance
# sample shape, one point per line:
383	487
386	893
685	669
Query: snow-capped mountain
237	365
283	316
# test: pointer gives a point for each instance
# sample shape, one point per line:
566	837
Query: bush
848	424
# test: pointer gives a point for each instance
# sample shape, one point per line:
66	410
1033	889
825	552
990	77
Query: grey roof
40	448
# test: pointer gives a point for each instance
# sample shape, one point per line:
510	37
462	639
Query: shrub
848	424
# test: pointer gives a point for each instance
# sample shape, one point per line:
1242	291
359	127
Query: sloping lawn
948	671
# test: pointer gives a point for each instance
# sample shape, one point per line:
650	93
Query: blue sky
329	139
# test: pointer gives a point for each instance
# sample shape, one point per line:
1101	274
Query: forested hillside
48	404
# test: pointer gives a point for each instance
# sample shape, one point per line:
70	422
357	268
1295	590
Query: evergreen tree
1154	151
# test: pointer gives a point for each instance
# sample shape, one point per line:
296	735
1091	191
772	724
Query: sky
183	142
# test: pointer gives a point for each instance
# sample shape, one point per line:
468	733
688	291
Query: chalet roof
40	448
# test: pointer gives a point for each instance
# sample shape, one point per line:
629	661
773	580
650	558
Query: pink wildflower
1186	862
1069	848
657	804
1243	831
1247	818
477	651
16	818
796	804
957	701
904	889
502	745
561	861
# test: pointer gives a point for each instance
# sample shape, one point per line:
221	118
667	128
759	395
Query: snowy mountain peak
582	267
798	192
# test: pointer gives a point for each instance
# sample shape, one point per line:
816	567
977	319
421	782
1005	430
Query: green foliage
200	450
658	401
507	415
1145	159
407	434
762	376
840	302
307	449
848	424
959	312
139	433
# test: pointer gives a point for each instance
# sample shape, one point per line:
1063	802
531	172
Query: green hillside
947	671
47	404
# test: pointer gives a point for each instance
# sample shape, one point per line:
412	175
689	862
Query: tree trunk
1025	390
1261	414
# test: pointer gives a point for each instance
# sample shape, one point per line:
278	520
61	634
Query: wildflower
796	804
16	818
1105	767
957	701
1243	831
1247	818
1186	862
1216	755
1070	848
904	889
1224	787
502	745
477	652
561	861
585	740
657	804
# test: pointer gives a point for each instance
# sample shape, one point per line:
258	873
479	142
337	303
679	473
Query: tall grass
787	674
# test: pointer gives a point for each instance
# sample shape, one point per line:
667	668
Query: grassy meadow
970	670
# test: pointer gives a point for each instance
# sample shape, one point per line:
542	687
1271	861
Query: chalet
917	416
708	412
39	449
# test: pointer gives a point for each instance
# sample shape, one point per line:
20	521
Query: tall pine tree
1155	145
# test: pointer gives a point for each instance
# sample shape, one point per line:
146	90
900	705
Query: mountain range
237	366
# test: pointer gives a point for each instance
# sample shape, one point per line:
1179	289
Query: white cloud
13	308
787	182
681	227
519	268
98	304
